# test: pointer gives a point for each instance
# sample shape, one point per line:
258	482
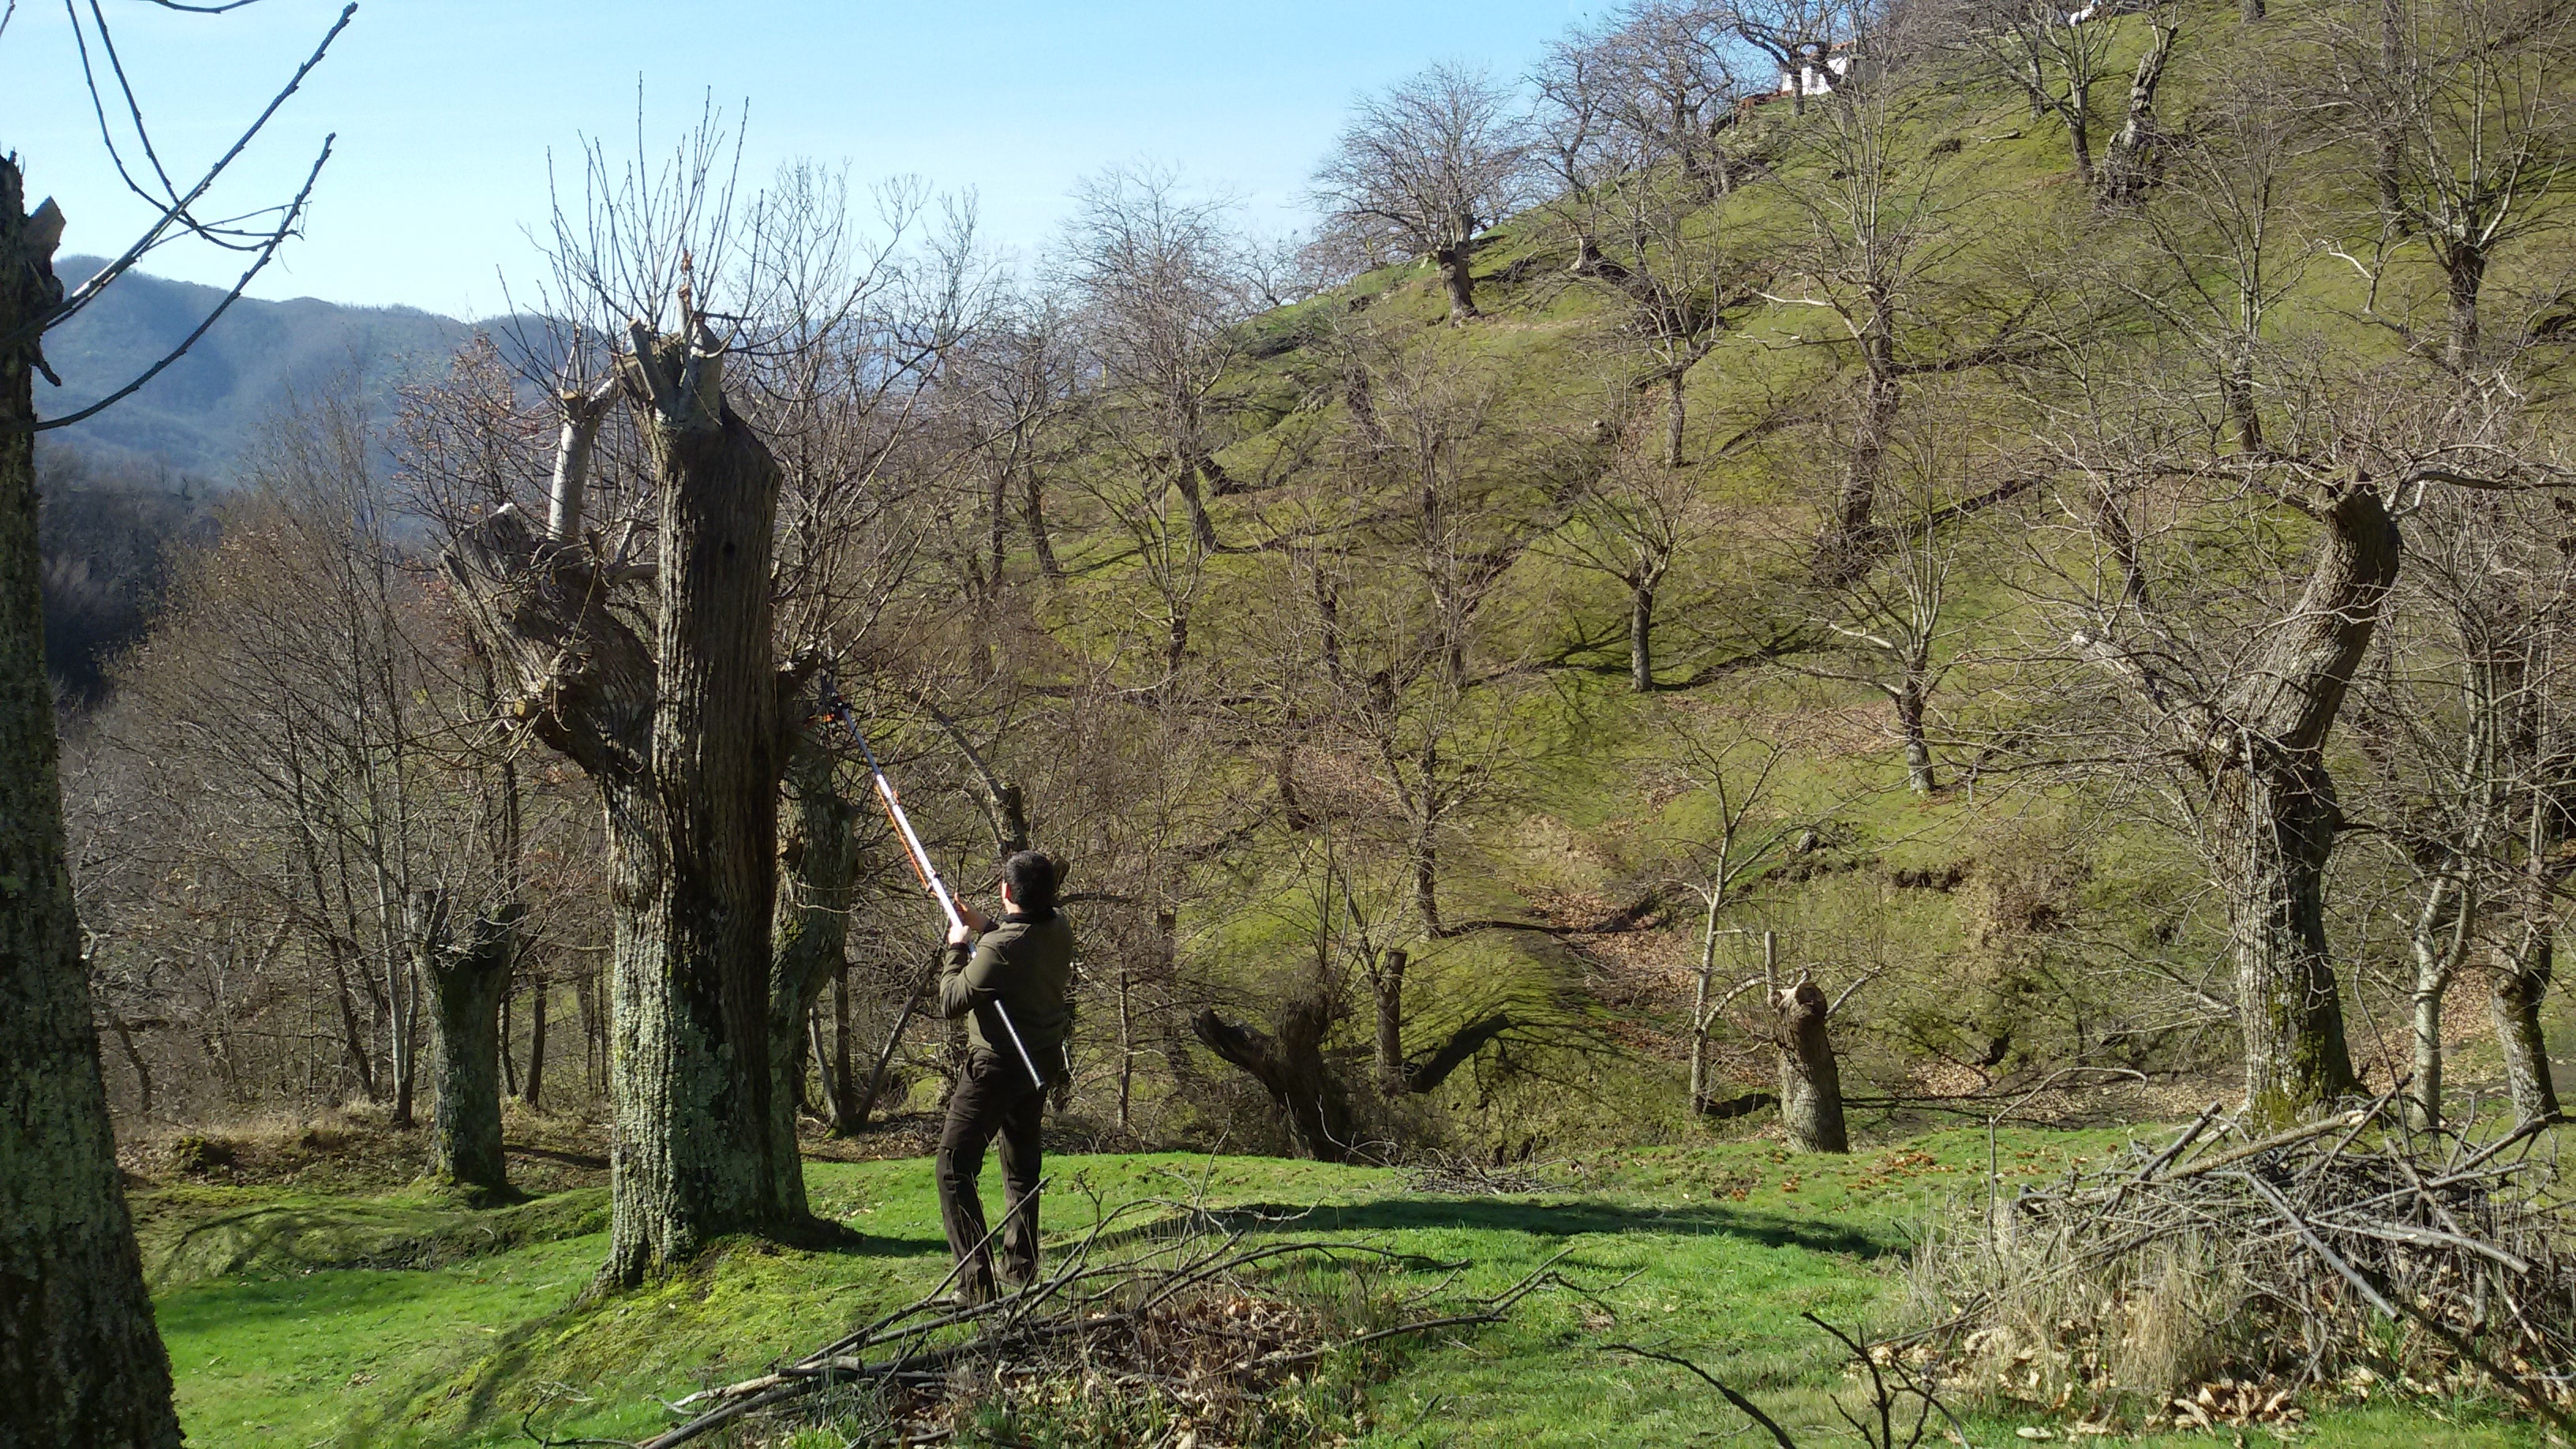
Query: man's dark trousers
994	1098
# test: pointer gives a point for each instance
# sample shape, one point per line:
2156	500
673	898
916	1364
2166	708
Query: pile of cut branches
1454	1174
1162	1317
2347	1249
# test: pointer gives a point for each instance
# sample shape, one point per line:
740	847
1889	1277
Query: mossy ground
1709	1251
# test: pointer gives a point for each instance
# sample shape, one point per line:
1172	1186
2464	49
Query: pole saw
919	855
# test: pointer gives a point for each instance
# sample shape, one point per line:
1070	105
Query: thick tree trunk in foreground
813	930
467	979
81	1364
2521	985
1291	1065
684	736
2282	828
1811	1083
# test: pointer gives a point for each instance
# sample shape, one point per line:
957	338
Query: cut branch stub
583	411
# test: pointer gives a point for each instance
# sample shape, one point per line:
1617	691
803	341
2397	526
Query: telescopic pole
919	855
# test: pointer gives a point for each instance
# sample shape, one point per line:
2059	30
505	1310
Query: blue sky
446	110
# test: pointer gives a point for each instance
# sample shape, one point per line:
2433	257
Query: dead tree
675	712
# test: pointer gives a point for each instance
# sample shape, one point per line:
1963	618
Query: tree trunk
845	1095
1033	511
403	1033
2079	136
2425	1091
1388	981
2464	272
2236	387
509	1064
82	1363
2276	816
467	980
1811	1084
822	858
1847	547
1641	638
684	736
1910	705
1456	265
2130	168
1676	417
536	1078
1701	1016
1291	1066
2521	985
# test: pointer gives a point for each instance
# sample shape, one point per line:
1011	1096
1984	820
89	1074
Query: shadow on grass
1545	1219
1559	1219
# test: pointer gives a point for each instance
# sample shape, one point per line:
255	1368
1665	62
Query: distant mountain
201	413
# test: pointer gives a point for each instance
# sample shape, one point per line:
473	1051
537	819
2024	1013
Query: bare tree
1424	167
2242	713
1632	525
2461	106
1161	279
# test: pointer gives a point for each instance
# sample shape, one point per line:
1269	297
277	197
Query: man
1023	966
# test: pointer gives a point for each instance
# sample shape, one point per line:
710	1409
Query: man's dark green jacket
1026	963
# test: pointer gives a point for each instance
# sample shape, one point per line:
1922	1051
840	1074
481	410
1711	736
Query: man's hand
959	935
975	920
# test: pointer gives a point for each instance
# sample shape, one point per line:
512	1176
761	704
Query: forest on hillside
1797	569
1939	519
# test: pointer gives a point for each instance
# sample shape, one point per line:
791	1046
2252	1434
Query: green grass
1706	1251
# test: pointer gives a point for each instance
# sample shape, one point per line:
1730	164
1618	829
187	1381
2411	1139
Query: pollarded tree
1423	168
660	674
677	712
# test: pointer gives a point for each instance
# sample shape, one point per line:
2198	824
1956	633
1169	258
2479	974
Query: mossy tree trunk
467	979
821	855
2521	984
685	736
81	1363
1290	1066
2277	817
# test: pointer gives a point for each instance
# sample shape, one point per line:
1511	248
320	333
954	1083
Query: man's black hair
1031	875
